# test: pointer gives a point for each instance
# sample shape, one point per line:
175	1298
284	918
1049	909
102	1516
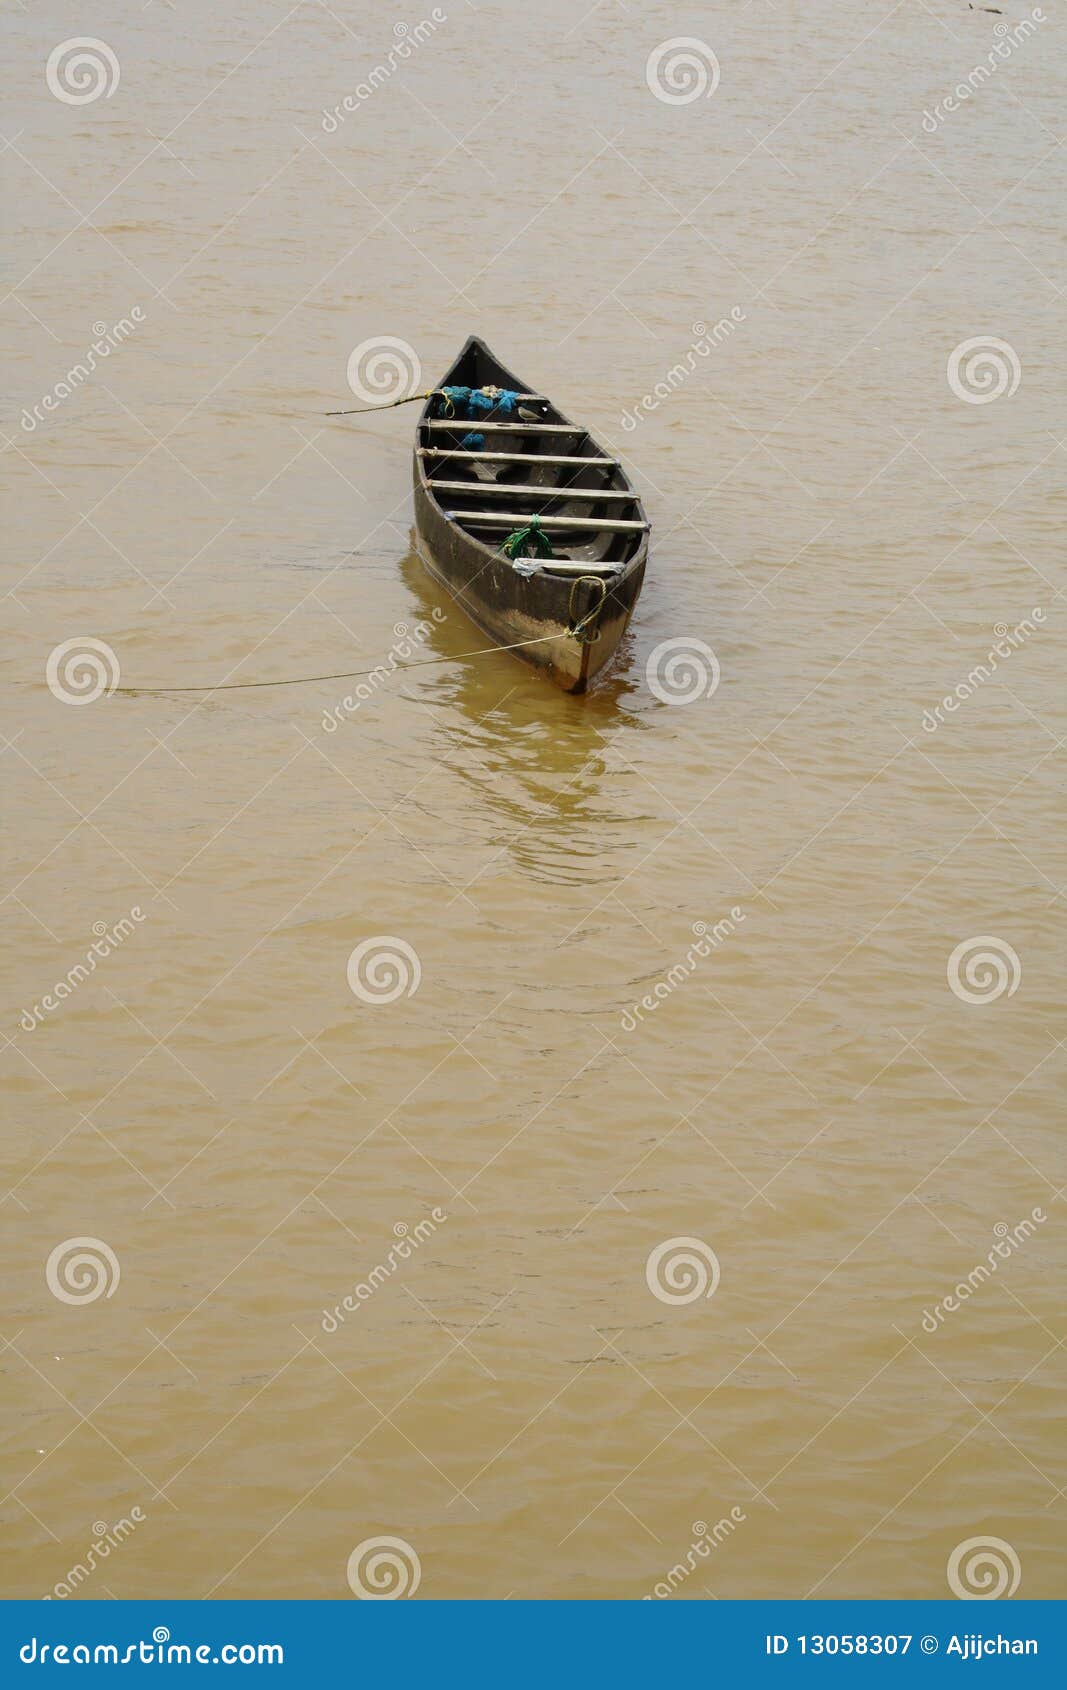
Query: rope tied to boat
363	410
528	541
356	674
474	401
585	631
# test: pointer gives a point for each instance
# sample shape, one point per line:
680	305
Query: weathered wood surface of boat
537	464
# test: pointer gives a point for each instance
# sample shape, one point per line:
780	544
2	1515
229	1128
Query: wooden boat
530	462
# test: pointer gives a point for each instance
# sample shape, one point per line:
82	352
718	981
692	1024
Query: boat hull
513	608
532	610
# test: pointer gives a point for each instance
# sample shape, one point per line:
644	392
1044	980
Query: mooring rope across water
355	674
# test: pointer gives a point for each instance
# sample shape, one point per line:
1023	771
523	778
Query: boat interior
493	471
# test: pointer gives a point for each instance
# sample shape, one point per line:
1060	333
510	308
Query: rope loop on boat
585	631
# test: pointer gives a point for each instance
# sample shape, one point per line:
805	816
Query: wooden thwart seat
578	566
518	427
509	519
513	487
513	457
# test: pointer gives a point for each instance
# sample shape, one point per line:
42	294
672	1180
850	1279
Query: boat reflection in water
538	760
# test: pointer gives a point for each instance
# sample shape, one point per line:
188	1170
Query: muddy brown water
483	1149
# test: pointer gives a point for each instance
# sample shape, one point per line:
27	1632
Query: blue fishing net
467	404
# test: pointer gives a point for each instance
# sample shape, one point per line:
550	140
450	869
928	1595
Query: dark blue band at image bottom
688	1644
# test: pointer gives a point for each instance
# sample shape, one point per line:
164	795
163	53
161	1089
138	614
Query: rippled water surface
844	1117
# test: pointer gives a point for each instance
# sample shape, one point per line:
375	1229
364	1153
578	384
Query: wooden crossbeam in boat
508	519
512	457
532	487
507	427
576	566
